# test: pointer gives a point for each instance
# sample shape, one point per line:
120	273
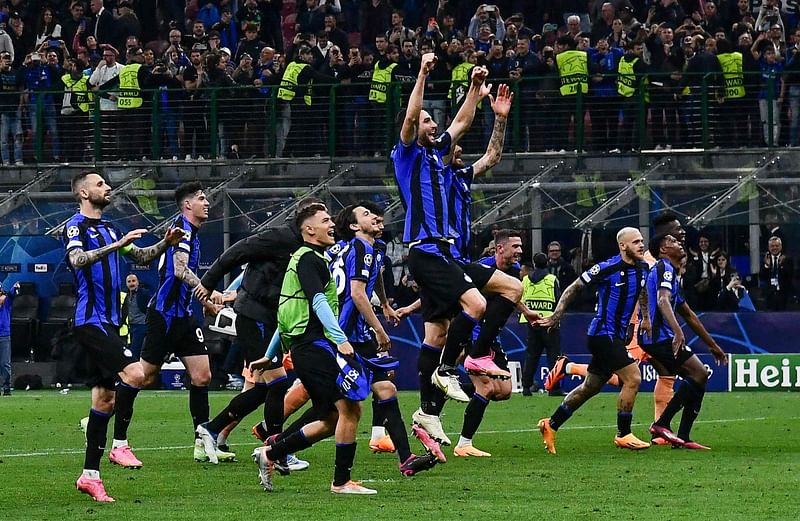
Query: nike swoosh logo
618	284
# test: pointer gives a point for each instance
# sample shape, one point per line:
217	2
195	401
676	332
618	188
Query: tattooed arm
80	258
148	254
645	325
180	261
569	294
501	107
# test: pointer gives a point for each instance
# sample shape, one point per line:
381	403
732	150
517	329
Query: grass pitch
752	473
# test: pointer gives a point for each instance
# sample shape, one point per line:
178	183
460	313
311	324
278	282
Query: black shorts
317	370
254	337
181	337
479	273
662	351
441	282
369	349
107	354
608	355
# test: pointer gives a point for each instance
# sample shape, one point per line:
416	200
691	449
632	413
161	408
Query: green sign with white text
765	372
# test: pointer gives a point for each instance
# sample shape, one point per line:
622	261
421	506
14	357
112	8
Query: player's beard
99	201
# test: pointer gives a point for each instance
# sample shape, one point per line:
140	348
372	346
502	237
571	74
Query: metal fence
677	111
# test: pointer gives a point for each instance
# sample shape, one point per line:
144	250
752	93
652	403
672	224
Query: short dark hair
540	261
567	41
372	206
504	235
187	189
343	221
655	244
308	212
78	178
663	220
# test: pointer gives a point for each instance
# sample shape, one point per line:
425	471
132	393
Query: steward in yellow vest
77	96
383	75
573	68
460	79
630	70
731	63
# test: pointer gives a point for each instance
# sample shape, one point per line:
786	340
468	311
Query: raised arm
80	258
465	115
569	294
408	132
501	107
148	254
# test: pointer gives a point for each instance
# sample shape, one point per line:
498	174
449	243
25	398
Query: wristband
126	249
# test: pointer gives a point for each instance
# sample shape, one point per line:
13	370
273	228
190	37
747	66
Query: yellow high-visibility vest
573	68
381	79
540	296
130	95
80	89
732	71
288	87
626	78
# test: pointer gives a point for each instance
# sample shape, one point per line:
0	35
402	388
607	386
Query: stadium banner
765	372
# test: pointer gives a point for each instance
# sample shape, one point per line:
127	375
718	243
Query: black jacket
267	255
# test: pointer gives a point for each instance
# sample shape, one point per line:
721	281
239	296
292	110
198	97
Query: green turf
752	472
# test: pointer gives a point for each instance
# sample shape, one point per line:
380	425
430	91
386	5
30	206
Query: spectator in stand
40	80
335	35
573	69
11	87
384	75
311	19
356	107
522	69
773	90
699	270
198	35
134	307
376	16
398	33
381	44
168	78
214	42
791	77
666	64
75	21
271	30
712	19
321	50
409	60
175	40
603	98
579	8
558	266
448	30
431	33
776	275
47	27
249	13
336	67
547	101
218	79
769	15
702	71
208	13
6	299
573	26
102	24
242	106
267	74
128	22
483	43
667	12
250	44
721	274
228	30
604	26
489	15
196	138
6	44
75	108
22	39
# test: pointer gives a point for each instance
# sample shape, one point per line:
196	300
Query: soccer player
445	289
308	325
506	259
619	282
355	271
93	247
667	347
171	328
669	223
267	255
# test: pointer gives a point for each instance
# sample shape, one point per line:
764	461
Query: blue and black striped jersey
99	284
460	201
423	182
618	286
174	296
353	261
662	276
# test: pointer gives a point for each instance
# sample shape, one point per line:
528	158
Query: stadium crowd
214	78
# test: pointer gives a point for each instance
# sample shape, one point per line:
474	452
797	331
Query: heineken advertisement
765	372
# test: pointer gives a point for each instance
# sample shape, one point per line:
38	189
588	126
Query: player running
93	248
619	280
667	347
171	327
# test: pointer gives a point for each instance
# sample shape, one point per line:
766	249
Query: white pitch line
65	452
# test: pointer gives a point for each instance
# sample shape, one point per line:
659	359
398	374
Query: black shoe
416	464
224	447
557	392
6	392
526	391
